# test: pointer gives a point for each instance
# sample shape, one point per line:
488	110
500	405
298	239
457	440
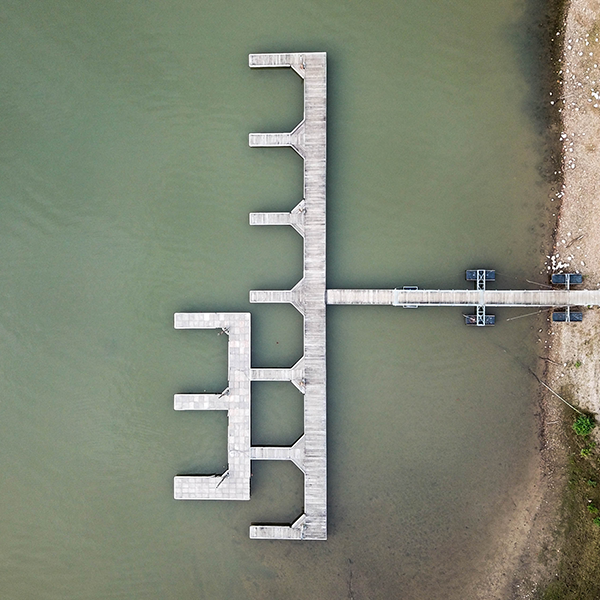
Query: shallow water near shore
125	186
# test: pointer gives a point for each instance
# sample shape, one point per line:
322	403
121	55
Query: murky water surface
125	187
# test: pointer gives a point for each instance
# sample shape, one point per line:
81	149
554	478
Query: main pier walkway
309	140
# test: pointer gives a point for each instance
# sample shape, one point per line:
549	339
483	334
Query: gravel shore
571	351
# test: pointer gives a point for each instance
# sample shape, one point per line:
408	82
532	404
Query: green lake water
125	186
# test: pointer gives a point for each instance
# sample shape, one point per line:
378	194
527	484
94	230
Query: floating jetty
309	453
311	297
309	140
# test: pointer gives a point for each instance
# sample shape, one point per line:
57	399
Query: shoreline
532	546
568	351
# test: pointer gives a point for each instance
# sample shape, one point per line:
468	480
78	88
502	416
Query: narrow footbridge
489	298
561	296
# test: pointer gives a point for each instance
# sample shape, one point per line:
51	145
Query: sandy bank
577	243
572	369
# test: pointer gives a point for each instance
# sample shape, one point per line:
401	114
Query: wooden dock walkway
309	140
401	297
234	484
295	218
